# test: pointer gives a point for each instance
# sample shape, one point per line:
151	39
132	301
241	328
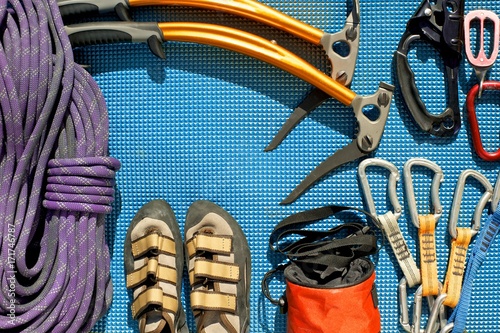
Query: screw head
367	142
341	77
351	33
383	99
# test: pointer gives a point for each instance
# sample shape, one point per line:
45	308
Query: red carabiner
474	127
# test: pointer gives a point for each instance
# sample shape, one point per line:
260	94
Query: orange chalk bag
330	280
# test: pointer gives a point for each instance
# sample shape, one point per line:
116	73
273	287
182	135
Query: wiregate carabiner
391	186
448	328
474	125
457	199
437	310
436	183
495	198
404	317
481	63
440	23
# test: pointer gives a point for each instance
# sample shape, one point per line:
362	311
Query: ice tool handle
343	66
440	23
154	34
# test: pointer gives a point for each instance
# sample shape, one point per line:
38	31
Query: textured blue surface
195	125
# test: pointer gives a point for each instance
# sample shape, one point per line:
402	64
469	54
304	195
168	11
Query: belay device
330	283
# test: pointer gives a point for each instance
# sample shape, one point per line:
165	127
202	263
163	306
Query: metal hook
410	194
457	199
391	187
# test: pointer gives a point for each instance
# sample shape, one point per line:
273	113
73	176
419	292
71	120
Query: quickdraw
458	319
426	224
388	222
461	237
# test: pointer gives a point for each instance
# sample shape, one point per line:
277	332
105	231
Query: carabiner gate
474	125
391	186
417	309
457	199
496	195
436	183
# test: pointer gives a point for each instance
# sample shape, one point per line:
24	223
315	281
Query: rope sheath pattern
56	179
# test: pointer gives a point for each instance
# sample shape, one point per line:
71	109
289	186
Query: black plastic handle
78	9
445	124
117	32
72	8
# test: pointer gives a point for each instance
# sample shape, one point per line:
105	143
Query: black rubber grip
99	37
78	9
434	125
410	91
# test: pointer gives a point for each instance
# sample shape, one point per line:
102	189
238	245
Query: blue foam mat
194	126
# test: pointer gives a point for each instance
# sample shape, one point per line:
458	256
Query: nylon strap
210	300
456	265
319	248
157	272
428	262
210	243
389	225
153	296
153	241
476	259
220	271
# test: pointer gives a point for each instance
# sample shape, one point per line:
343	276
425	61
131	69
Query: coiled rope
56	179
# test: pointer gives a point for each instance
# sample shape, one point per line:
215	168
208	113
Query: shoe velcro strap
210	243
153	296
153	270
215	270
211	300
153	241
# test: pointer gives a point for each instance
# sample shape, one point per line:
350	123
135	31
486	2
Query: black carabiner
440	23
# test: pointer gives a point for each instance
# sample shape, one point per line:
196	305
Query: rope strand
56	179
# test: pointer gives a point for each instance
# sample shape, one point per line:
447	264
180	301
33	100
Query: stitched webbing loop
389	224
428	259
456	266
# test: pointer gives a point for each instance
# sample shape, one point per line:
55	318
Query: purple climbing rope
56	180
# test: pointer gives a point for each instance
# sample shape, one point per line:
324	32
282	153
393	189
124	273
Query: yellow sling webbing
428	262
456	266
